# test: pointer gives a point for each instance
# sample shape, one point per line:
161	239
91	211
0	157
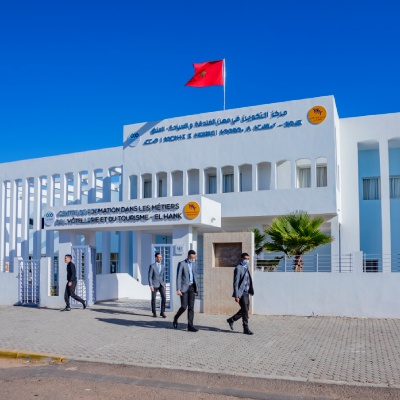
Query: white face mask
245	263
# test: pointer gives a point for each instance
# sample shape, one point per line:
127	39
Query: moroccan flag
209	73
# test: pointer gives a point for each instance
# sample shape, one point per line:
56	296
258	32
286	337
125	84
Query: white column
236	178
124	252
335	245
182	235
140	185
154	186
254	177
77	188
25	220
273	182
219	179
50	203
105	251
385	205
91	187
313	173
201	182
136	254
2	223
169	184
185	183
293	173
13	221
126	186
37	219
106	186
63	190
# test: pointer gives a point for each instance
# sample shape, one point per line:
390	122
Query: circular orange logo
191	210
316	115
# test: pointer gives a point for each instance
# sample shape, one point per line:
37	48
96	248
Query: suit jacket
71	272
155	279
238	281
182	276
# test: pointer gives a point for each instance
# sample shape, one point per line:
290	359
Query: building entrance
84	258
166	252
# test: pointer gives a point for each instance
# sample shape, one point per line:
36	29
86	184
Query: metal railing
268	262
381	262
29	282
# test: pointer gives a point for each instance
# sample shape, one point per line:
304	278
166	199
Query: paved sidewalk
322	349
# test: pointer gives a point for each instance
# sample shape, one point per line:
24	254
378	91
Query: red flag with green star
210	73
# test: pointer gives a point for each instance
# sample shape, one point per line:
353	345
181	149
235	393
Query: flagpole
224	84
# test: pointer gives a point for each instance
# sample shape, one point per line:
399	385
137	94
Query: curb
25	355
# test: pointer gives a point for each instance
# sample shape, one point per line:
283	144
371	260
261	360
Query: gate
166	251
84	258
29	282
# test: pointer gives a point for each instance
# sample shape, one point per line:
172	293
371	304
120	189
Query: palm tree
294	235
259	239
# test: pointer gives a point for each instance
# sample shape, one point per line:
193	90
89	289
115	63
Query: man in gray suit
242	288
157	284
186	288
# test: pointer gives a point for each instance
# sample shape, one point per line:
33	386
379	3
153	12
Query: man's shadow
160	324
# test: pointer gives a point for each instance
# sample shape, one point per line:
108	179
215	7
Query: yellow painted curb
25	355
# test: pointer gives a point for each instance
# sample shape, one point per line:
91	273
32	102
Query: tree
259	239
294	235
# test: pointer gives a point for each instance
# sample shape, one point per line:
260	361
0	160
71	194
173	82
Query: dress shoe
154	315
84	304
175	323
163	315
247	331
66	309
230	322
192	329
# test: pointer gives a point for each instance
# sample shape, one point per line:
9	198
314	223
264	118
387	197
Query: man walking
71	284
157	284
186	288
242	288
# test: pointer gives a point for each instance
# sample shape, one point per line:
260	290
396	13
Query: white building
242	167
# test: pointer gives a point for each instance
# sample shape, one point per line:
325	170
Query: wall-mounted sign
316	115
178	249
49	218
191	210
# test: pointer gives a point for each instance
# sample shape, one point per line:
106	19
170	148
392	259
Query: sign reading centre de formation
135	213
257	120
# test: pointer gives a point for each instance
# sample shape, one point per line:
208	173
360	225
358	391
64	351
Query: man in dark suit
157	283
186	288
71	284
242	288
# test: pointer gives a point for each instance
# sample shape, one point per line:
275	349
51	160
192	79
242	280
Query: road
20	379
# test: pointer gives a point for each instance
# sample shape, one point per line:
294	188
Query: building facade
240	167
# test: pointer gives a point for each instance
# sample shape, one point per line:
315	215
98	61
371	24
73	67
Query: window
395	187
228	183
113	263
147	189
160	188
371	189
303	170
99	263
212	184
304	177
322	172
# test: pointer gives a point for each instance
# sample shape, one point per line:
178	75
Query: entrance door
166	252
84	258
29	282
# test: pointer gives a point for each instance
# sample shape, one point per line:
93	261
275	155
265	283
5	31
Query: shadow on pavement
161	324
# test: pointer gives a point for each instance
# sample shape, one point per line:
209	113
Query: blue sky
72	73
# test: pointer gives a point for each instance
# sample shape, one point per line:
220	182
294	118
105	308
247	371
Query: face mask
245	262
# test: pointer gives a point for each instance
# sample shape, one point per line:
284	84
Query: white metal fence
29	282
268	262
